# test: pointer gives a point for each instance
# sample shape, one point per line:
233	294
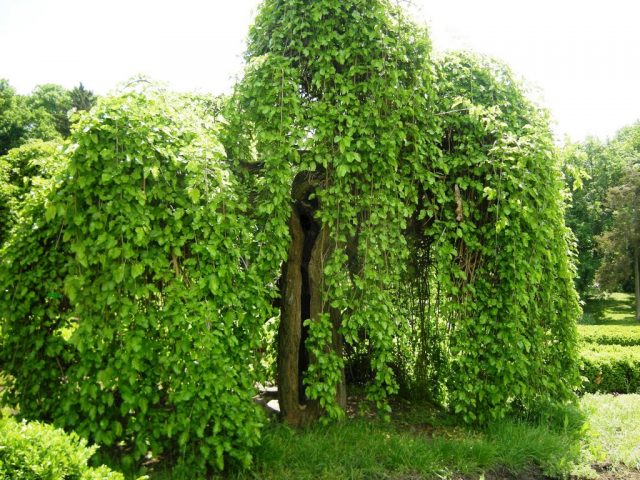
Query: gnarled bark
302	290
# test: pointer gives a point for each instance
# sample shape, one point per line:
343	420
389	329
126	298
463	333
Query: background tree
14	118
54	100
44	114
590	168
81	98
620	245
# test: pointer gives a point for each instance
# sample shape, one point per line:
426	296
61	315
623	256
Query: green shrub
610	334
41	452
611	369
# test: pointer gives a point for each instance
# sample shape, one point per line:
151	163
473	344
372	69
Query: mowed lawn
613	434
612	310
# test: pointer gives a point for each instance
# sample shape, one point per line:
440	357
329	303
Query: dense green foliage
22	171
500	281
611	368
44	114
81	98
352	102
342	90
35	451
141	298
33	264
158	241
143	262
54	101
18	123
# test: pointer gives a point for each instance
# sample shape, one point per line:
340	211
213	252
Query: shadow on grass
613	309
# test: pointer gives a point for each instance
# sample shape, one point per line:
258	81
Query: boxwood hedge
611	368
37	451
610	334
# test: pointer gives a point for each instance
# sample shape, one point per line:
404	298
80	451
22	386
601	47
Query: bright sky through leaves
583	56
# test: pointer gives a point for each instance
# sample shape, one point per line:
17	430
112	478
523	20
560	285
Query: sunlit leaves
501	252
340	88
145	234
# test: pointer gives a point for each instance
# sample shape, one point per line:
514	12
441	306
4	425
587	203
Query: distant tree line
604	180
43	114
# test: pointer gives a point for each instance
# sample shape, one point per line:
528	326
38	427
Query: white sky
582	55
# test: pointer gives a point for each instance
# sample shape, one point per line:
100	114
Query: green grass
614	429
612	309
363	450
419	443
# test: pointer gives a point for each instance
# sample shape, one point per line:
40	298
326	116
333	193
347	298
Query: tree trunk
301	294
320	252
636	275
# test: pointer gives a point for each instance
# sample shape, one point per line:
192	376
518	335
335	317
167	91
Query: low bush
41	452
610	334
611	368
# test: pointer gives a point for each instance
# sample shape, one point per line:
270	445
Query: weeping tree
491	261
418	222
331	127
130	306
22	171
33	265
382	206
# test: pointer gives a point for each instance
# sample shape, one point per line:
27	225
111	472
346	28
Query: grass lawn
614	429
419	443
601	440
610	321
612	309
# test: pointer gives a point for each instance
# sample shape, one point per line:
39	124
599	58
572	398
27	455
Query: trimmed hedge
611	368
37	451
610	334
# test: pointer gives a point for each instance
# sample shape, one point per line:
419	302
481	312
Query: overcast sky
583	56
